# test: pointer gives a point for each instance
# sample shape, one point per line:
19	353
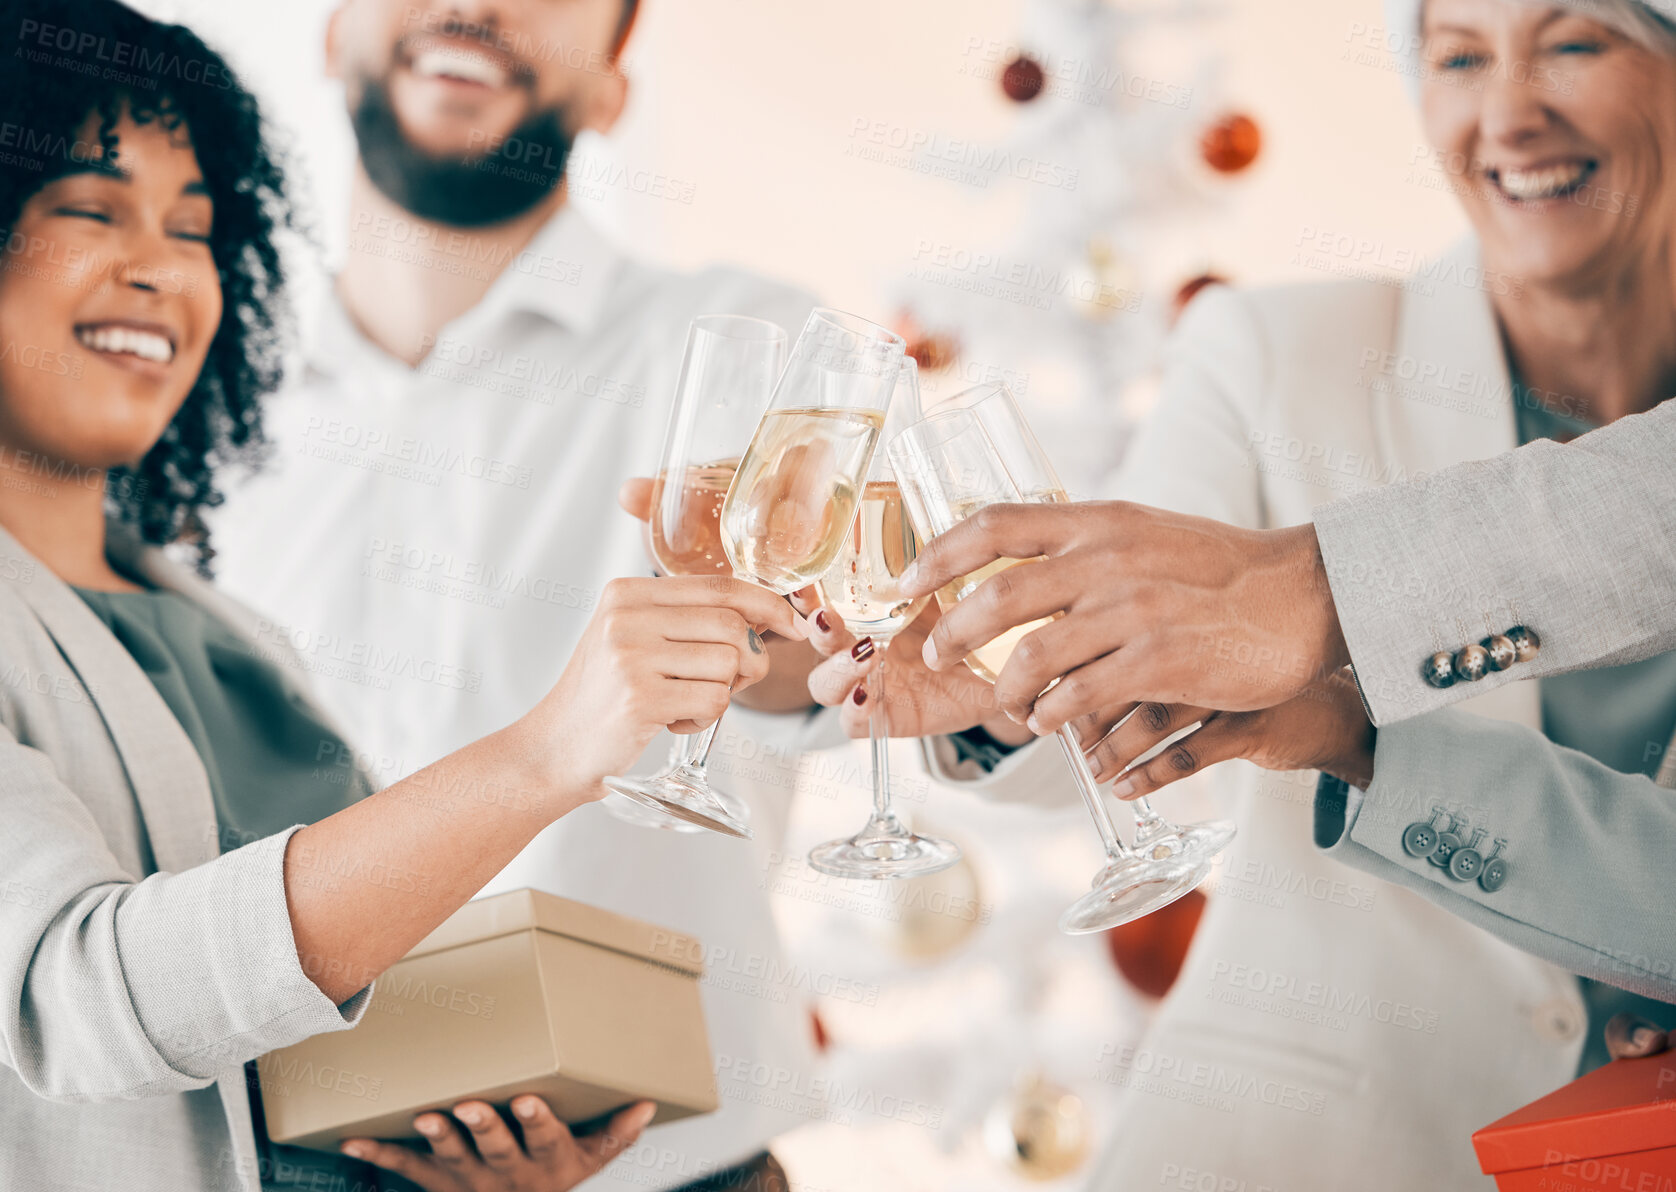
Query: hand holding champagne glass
1021	454
861	588
948	470
791	500
727	376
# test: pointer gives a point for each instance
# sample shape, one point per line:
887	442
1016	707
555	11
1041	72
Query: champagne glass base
684	798
1128	890
631	811
1204	841
876	856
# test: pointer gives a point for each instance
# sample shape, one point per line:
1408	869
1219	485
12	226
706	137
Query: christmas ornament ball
1149	951
1231	144
1022	79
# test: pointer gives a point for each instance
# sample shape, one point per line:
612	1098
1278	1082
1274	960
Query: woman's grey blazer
140	968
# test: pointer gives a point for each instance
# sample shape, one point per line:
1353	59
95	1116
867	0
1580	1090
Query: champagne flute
796	492
948	469
1020	452
862	589
727	377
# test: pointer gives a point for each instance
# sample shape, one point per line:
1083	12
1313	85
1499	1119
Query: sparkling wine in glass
727	376
863	588
1020	452
799	483
948	469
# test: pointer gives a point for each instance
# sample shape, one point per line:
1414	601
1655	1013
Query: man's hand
919	702
474	1151
1324	729
1156	606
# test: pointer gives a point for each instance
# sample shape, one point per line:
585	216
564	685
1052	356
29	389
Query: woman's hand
659	653
475	1151
919	702
786	687
1325	728
1629	1037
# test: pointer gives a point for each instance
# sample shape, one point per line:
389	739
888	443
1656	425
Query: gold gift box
523	992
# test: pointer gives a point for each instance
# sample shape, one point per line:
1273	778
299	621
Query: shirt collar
563	274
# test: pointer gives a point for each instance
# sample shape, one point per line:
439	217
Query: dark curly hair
68	61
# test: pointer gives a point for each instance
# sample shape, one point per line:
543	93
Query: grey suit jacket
139	968
1576	541
1587	849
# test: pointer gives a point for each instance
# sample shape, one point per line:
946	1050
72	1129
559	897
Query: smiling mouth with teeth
459	65
1544	182
116	339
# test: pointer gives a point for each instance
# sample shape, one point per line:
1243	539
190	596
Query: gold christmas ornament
1042	1131
935	914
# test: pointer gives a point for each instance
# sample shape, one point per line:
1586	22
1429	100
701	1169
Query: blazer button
1525	641
1465	863
1447	842
1440	669
1557	1020
1472	663
1503	653
1492	874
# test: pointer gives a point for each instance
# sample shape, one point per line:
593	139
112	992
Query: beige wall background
749	106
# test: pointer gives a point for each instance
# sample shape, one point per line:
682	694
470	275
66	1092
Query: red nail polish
862	650
859	696
821	622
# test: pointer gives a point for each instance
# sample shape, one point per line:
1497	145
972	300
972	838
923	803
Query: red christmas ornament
1231	144
1149	952
1190	290
1022	79
931	350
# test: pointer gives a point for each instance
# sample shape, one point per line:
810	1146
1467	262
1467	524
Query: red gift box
1613	1130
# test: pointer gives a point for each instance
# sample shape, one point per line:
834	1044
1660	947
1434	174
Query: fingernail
471	1116
1641	1037
643	1114
357	1150
1124	789
429	1127
821	622
1034	725
859	696
909	574
929	653
524	1109
862	650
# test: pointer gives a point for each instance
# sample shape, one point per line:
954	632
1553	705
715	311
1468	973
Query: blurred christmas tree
1121	134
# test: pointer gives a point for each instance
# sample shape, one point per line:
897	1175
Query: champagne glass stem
879	738
695	747
1116	850
1152	828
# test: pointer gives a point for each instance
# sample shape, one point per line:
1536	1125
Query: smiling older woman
1357	1032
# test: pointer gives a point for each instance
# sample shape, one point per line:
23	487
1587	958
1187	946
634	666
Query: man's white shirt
433	542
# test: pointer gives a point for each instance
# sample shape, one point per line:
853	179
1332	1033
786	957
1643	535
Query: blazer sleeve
1586	849
112	989
1575	541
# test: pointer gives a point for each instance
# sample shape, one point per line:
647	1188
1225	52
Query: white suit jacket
1328	1030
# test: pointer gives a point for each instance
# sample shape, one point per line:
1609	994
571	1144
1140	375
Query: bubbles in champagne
862	586
685	533
795	494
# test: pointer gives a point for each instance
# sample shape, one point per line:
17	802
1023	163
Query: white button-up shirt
433	541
